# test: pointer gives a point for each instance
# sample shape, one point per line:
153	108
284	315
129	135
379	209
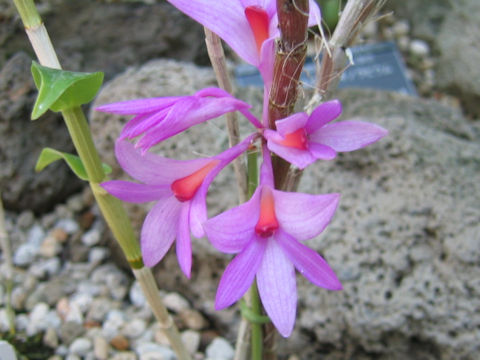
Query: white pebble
91	237
68	225
136	295
219	349
419	47
97	254
133	329
7	351
80	346
152	351
25	254
175	302
401	28
36	235
191	339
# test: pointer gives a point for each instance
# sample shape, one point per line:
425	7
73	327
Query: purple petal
153	169
267	60
277	288
323	114
198	213
314	16
226	19
141	123
308	262
291	124
304	216
184	244
320	151
139	106
230	231
348	135
188	113
298	157
136	193
239	274
159	230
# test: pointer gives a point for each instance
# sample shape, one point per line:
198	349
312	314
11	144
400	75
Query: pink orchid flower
301	139
267	232
159	118
248	26
180	189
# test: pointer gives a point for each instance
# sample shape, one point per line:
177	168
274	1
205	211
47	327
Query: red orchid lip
267	221
259	22
185	188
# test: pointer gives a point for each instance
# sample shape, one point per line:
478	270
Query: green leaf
49	155
60	90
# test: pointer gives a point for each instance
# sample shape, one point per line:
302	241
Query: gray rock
101	348
21	143
404	241
191	339
219	349
457	69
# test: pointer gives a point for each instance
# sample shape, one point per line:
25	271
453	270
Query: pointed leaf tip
60	90
49	155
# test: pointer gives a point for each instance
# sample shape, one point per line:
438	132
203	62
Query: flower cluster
267	232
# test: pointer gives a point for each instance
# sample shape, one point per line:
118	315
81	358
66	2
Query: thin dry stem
7	255
150	290
217	58
354	16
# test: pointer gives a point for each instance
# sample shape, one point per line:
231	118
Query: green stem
254	300
28	13
111	207
82	139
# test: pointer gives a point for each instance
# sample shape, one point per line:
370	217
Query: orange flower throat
185	188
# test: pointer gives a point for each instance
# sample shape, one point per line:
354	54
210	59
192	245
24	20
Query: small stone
25	219
114	321
419	48
101	348
99	309
75	203
80	346
59	234
401	28
191	339
125	355
69	331
36	235
136	295
82	300
73	357
91	237
50	247
403	43
193	319
152	351
133	329
68	225
120	342
74	314
7	351
4	322
25	254
175	302
50	338
97	254
219	349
